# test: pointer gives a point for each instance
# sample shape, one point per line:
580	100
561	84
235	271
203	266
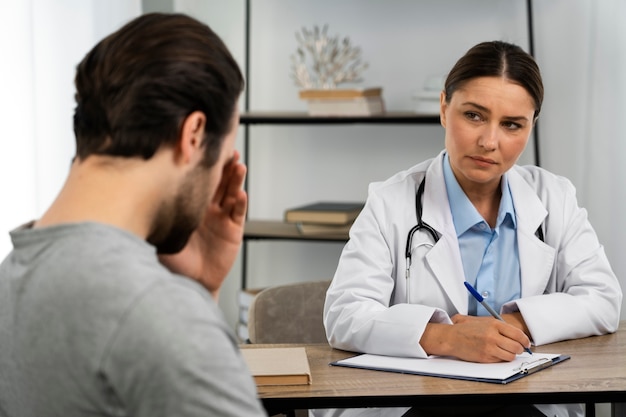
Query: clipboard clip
533	366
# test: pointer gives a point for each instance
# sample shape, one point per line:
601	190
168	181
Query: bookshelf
278	230
301	118
269	229
257	230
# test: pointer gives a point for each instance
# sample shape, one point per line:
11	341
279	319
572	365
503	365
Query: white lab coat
568	289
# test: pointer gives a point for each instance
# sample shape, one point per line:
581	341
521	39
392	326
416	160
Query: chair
290	313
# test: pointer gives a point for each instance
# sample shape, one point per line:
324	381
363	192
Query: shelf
302	118
278	230
269	229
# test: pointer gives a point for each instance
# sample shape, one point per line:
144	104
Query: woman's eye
512	125
470	115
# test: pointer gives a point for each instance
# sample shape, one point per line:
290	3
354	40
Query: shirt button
482	226
485	294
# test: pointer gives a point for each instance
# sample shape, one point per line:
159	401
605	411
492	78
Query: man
107	302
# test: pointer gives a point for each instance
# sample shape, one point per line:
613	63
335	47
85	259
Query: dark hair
136	86
497	59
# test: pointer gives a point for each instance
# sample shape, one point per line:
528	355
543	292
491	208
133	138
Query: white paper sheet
455	368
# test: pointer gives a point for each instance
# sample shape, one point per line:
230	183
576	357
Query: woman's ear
443	105
192	137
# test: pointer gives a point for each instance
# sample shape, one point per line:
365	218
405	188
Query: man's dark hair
136	86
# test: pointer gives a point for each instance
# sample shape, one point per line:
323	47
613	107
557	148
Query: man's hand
475	339
213	247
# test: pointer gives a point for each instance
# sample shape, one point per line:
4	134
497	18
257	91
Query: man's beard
175	222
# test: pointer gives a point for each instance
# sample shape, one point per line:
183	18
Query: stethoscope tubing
421	225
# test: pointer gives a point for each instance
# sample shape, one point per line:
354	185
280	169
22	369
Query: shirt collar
507	209
464	214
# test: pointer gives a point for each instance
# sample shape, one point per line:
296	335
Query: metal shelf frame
249	118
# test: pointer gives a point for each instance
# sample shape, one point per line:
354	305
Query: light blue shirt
490	256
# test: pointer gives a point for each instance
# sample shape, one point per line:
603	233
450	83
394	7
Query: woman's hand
475	339
213	246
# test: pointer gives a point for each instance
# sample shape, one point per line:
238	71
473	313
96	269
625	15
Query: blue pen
482	301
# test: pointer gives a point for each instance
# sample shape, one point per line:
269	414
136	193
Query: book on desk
278	366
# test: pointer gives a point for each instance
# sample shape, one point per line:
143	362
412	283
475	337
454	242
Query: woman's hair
135	88
497	59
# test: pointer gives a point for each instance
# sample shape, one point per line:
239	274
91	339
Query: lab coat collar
445	257
436	198
536	257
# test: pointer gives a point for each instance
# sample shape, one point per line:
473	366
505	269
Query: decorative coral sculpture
334	61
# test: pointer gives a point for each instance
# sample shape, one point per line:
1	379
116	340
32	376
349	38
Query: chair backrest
290	313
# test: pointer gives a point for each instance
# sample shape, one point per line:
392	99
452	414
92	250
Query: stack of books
324	217
344	102
245	297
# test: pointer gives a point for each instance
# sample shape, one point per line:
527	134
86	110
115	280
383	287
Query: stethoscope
421	225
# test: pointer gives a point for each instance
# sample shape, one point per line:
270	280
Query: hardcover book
341	93
364	106
278	366
325	212
323	229
344	102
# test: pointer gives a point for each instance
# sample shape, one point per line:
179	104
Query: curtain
41	41
581	49
17	112
604	183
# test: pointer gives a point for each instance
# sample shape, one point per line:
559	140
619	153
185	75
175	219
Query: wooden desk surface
596	373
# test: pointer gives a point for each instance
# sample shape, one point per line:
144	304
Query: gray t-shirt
92	324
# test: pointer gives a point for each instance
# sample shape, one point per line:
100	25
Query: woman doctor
514	232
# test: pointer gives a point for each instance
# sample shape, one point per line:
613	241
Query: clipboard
448	367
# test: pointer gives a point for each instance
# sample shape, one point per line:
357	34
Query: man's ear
191	137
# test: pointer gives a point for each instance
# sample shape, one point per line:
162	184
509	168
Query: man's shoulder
88	254
172	297
179	331
98	277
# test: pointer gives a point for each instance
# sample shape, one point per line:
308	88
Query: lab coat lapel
536	257
444	258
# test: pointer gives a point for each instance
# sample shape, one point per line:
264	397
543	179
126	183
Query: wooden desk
596	373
